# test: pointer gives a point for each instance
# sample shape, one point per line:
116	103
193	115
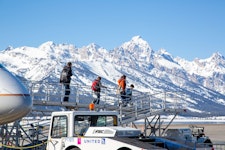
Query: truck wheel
124	148
75	148
209	142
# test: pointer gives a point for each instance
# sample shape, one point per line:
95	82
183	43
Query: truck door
59	129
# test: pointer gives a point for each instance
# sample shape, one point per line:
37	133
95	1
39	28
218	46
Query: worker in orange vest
122	86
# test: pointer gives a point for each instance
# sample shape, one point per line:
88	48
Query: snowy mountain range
203	80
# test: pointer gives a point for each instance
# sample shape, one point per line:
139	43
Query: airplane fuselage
15	100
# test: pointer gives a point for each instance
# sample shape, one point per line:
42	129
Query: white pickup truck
91	130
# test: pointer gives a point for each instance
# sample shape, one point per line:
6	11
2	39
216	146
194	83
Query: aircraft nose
15	100
15	107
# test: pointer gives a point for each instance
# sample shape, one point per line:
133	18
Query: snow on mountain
208	72
136	50
163	58
205	67
203	81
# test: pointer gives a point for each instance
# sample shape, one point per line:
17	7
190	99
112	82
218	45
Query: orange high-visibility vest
122	83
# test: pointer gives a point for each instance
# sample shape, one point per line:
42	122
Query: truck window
82	122
59	127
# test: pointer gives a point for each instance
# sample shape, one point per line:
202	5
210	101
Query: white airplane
15	100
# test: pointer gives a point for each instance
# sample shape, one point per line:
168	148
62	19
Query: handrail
143	102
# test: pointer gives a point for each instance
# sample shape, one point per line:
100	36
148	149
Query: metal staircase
47	97
143	105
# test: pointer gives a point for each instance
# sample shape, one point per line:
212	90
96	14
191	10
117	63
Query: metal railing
142	105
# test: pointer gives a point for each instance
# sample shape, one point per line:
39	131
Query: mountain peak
93	46
47	44
9	48
217	59
137	42
163	51
136	38
216	55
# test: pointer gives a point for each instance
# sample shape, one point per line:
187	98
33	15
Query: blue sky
185	28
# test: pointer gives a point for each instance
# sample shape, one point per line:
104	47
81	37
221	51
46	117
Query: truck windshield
59	127
82	122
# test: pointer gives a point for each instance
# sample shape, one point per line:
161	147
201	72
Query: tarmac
216	132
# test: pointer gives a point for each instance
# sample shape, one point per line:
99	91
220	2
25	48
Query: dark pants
67	92
123	95
97	99
124	98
